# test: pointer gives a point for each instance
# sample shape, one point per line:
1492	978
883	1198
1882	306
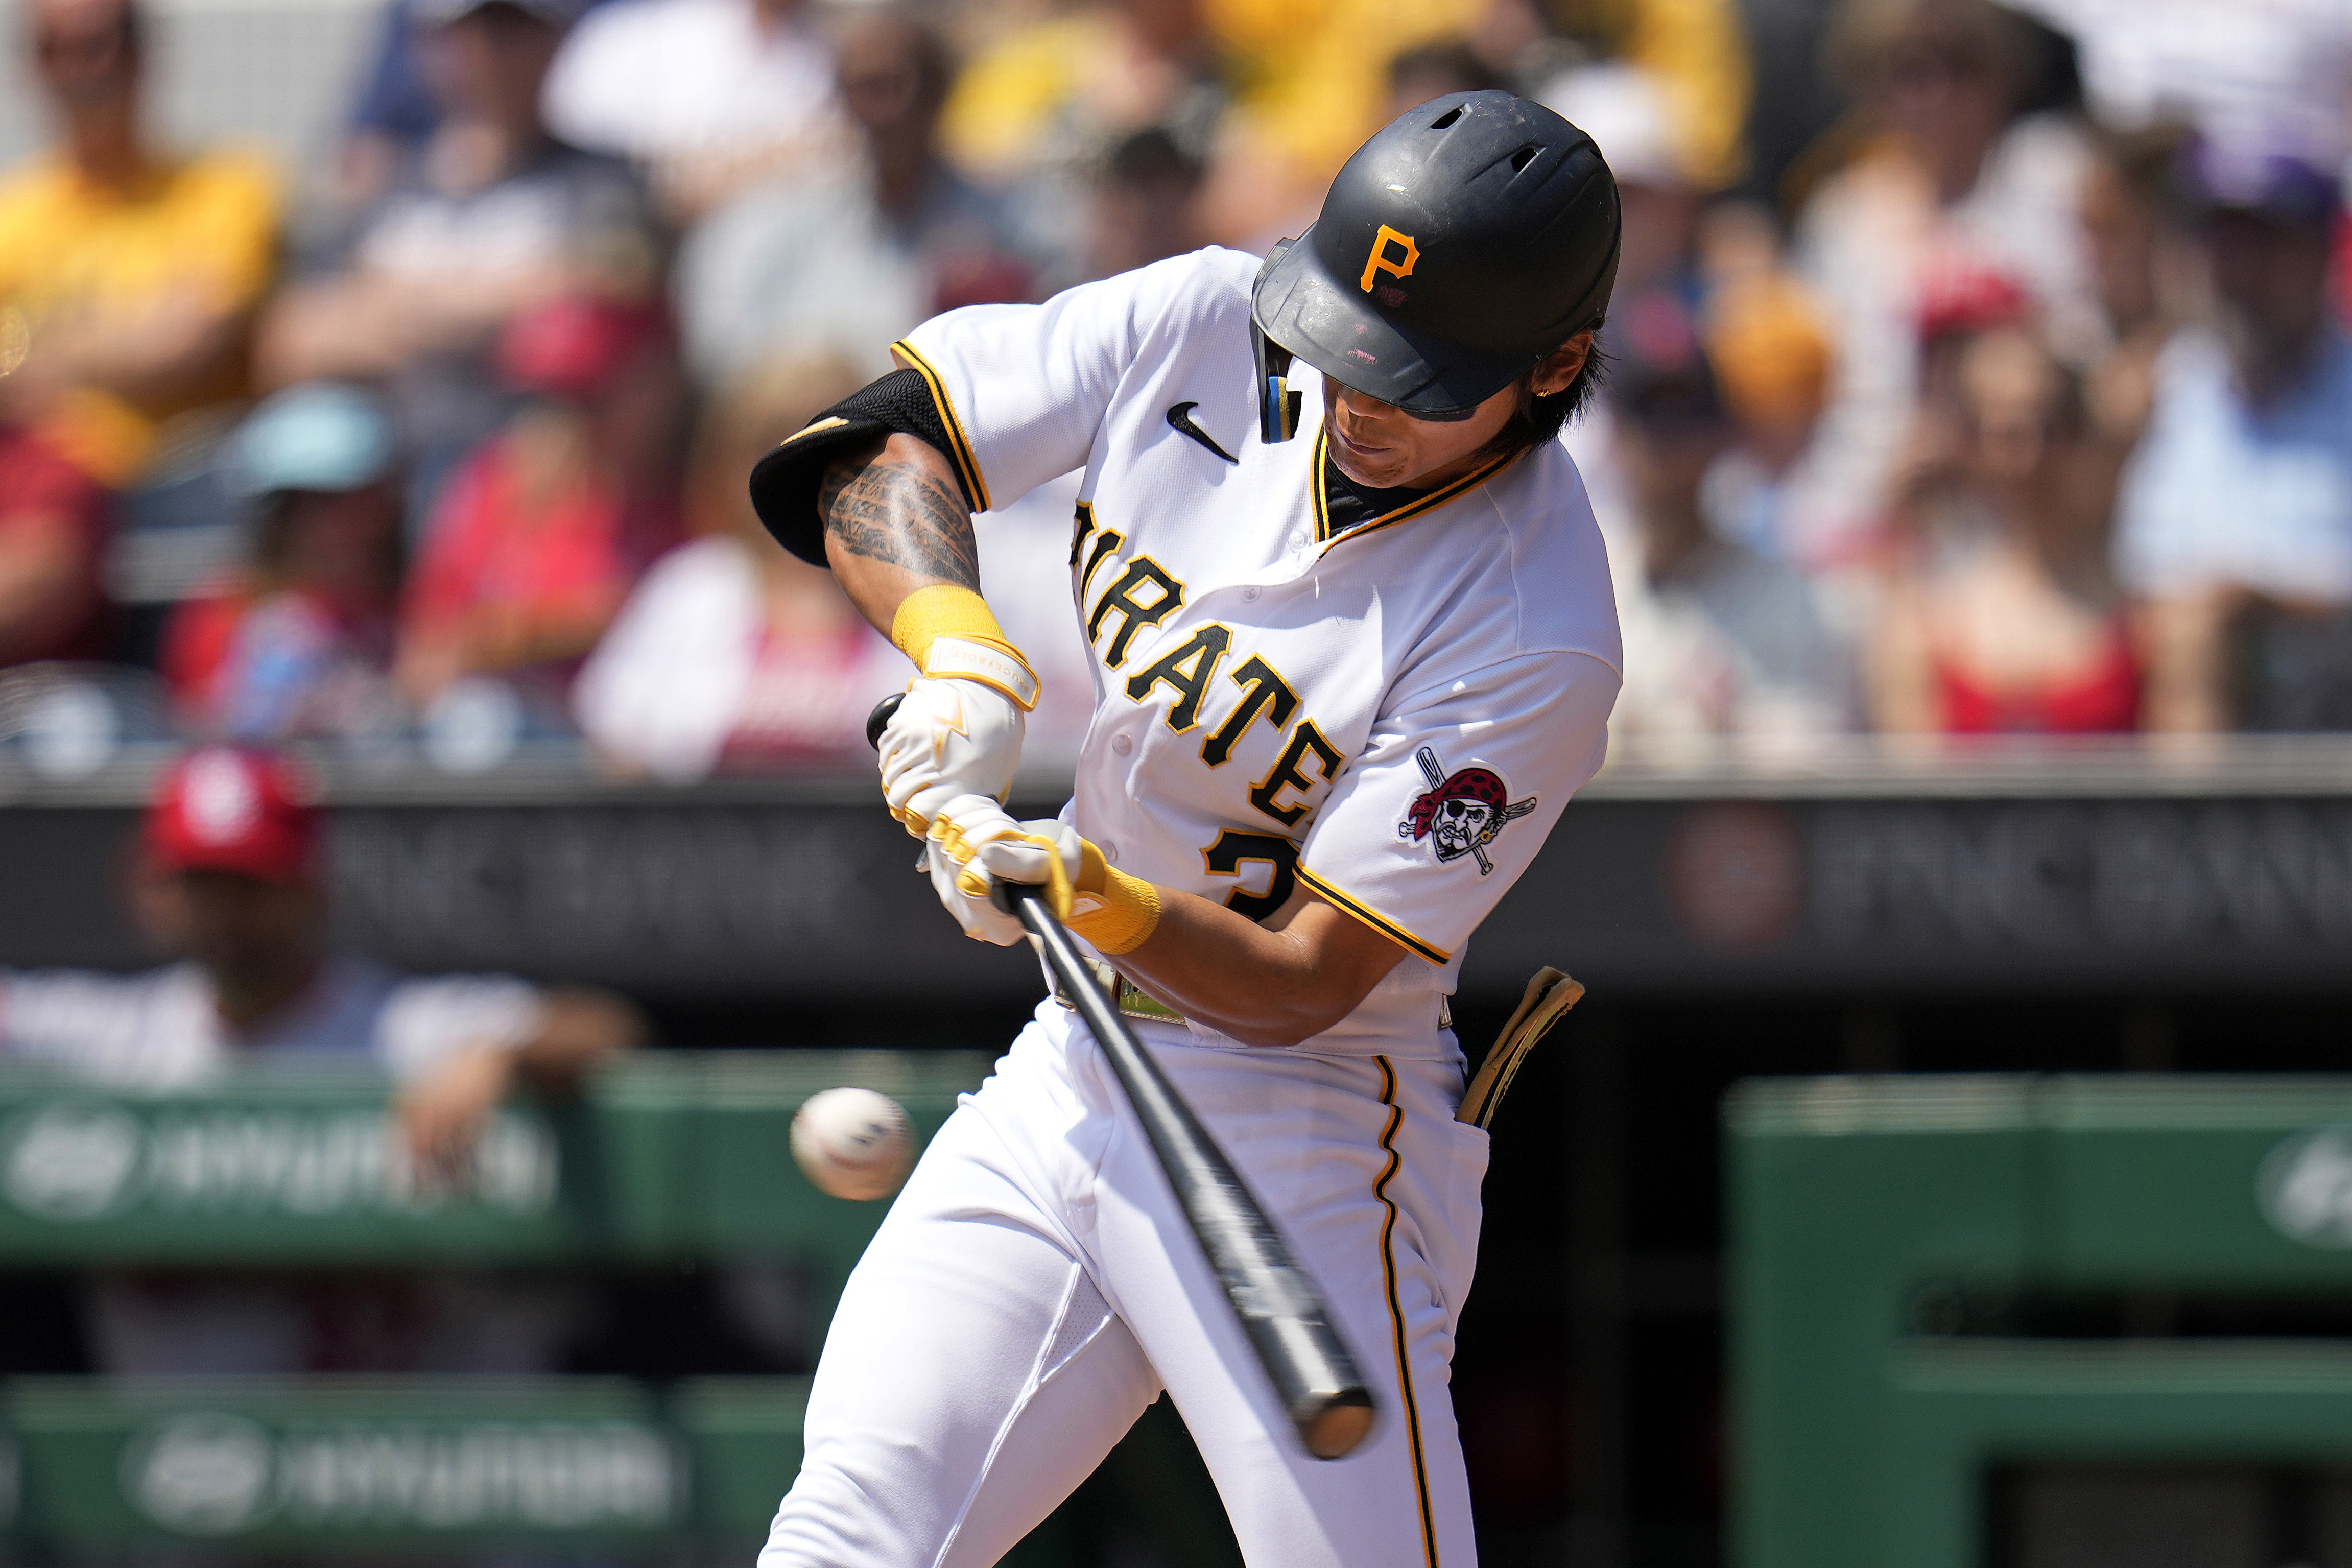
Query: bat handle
880	719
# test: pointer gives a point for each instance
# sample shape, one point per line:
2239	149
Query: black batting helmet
1459	245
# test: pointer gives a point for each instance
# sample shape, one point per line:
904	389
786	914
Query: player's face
251	934
1380	447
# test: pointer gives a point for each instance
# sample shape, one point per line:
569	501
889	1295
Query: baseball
853	1143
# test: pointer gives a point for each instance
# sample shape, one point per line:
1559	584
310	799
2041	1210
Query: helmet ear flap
1277	405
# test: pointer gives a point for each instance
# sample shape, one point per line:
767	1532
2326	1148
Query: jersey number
1233	850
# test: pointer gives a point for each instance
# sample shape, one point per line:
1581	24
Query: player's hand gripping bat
1279	1308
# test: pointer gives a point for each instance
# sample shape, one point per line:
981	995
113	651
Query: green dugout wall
1884	1231
673	1156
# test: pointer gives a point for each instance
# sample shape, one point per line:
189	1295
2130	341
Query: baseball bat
1281	1312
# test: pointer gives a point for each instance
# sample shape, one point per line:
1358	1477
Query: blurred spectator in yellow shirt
127	273
1040	112
1315	80
1069	86
1314	77
1696	50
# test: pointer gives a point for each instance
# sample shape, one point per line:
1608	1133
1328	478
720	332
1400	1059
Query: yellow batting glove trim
950	632
1125	910
952	843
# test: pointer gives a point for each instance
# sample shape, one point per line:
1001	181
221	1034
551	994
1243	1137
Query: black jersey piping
1395	1119
1372	917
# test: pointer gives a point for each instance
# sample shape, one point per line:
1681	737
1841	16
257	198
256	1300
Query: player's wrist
950	633
1116	912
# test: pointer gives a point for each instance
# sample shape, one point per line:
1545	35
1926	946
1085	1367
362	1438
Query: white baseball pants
1034	1287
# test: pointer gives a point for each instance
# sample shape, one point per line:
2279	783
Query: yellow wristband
949	631
1114	911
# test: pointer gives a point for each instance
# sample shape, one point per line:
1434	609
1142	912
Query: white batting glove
959	828
974	842
948	739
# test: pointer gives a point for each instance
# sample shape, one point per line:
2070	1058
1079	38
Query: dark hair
1450	61
1539	419
1150	160
1864	36
2149	163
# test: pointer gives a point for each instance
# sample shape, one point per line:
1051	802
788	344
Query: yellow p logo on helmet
1378	261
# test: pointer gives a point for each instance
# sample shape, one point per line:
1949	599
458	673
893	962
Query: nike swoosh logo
1180	419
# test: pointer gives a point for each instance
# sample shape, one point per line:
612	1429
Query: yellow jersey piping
967	465
1412	508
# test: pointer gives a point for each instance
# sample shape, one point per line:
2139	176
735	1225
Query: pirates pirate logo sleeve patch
1460	814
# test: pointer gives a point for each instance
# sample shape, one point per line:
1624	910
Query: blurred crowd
2017	402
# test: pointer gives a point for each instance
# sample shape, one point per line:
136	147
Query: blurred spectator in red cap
846	261
1999	612
731	655
536	540
298	641
1960	301
1949	179
489	218
706	96
234	880
2235	523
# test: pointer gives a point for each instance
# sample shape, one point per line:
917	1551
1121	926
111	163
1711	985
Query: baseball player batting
1354	646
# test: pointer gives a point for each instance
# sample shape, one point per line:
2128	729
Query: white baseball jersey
1394	712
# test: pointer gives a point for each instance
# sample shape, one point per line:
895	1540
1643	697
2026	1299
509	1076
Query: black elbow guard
785	483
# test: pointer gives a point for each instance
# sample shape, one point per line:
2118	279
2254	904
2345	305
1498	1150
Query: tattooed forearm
901	510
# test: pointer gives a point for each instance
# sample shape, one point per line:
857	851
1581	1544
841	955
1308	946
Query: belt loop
1130	1001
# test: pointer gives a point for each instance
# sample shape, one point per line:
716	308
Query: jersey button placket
1249	595
1121	744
